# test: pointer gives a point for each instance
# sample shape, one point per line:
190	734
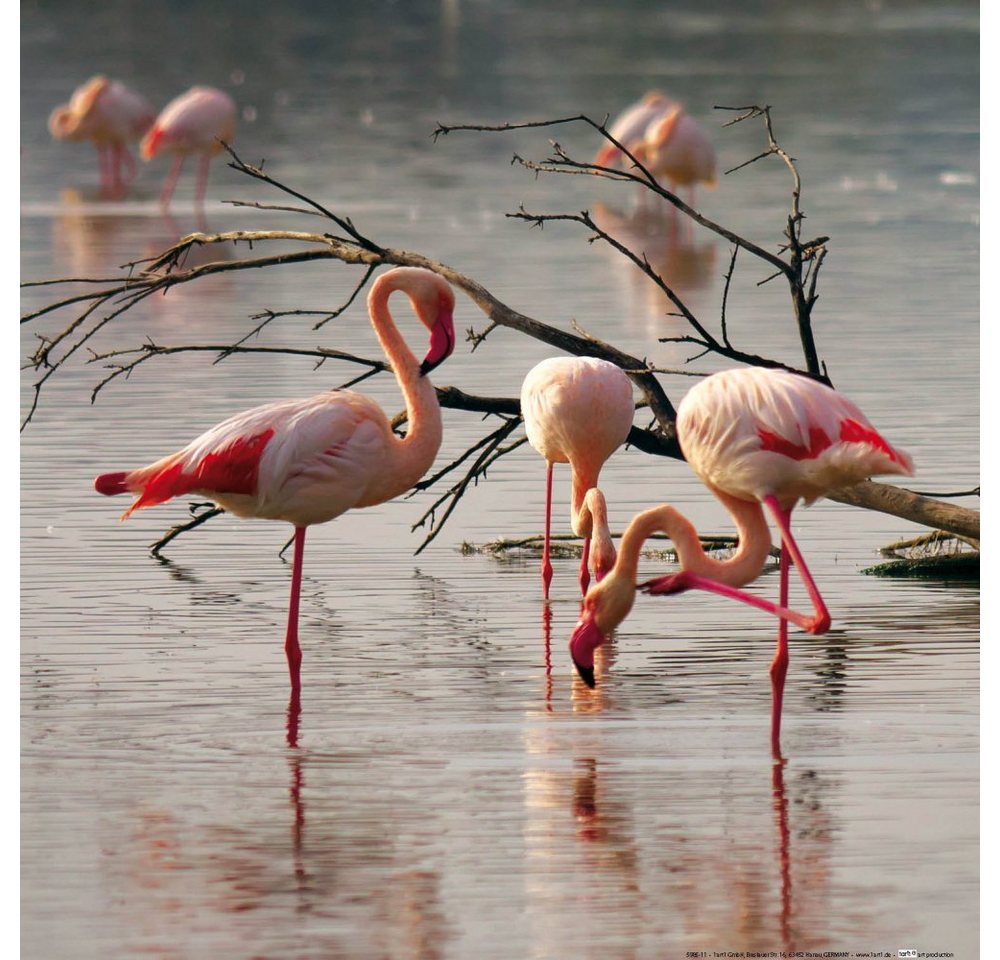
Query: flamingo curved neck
592	521
416	451
741	568
581	515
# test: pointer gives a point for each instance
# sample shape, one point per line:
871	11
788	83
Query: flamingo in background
578	410
194	123
757	438
666	140
308	461
111	115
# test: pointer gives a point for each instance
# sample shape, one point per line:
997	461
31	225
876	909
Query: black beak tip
586	674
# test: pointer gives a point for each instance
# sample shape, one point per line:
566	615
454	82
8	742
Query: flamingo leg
202	184
546	562
102	166
819	623
679	582
779	666
585	567
171	182
117	184
292	649
127	161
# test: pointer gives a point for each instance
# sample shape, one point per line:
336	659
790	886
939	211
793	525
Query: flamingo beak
585	640
442	342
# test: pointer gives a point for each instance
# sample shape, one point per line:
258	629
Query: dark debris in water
931	556
570	547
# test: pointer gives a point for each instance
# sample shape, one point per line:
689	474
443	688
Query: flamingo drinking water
578	410
113	116
308	461
194	123
757	438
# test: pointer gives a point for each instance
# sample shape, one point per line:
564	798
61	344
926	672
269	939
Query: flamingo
196	122
757	438
666	140
578	410
308	461
113	116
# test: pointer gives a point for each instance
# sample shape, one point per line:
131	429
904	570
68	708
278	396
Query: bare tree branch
111	299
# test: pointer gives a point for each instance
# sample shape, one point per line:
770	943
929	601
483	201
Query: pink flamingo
757	438
666	140
111	115
308	461
195	122
578	410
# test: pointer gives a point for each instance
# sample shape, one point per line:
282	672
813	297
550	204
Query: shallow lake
450	789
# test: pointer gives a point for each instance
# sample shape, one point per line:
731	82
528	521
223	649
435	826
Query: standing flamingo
666	140
195	122
308	461
578	410
111	115
757	438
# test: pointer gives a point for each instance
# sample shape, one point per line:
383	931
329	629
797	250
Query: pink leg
546	562
171	182
679	582
820	623
126	161
116	170
779	666
199	196
292	649
102	166
584	566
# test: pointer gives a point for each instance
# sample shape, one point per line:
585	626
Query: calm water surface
449	789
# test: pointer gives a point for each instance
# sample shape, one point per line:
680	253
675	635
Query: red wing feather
232	469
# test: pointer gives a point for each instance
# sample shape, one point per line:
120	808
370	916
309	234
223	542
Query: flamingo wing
755	432
304	461
577	410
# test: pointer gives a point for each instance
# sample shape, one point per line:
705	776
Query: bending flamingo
308	461
757	438
666	140
193	123
578	410
111	115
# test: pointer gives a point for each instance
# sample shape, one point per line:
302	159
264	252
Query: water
452	790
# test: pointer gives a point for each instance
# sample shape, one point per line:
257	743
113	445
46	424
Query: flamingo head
604	607
442	341
434	302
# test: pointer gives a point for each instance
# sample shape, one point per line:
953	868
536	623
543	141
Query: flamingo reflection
667	242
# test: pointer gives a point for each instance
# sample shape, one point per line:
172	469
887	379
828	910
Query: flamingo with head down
112	116
578	410
757	438
666	140
308	461
194	123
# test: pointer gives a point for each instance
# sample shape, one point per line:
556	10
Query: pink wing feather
753	432
304	461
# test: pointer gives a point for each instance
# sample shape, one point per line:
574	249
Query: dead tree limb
142	278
